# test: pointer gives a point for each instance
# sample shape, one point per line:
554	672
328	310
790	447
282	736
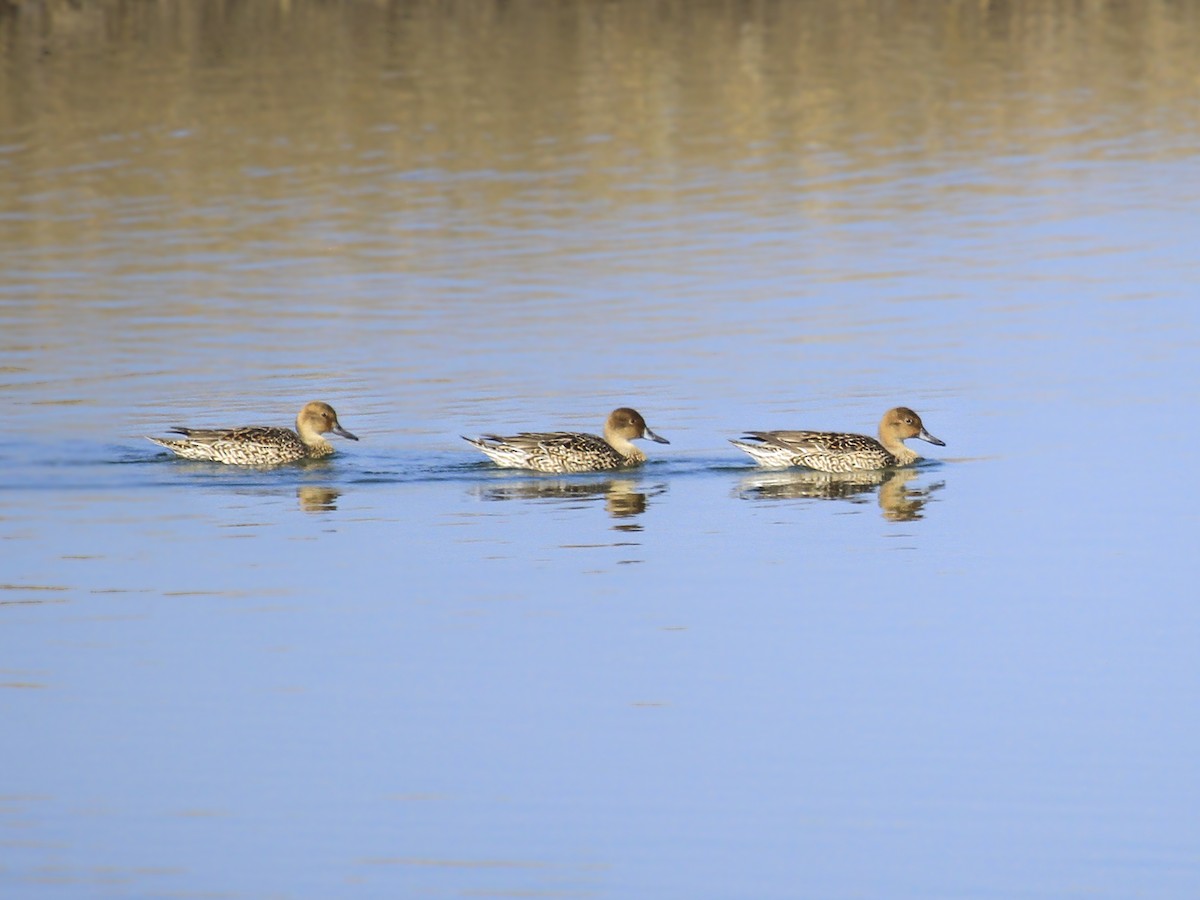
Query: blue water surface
402	672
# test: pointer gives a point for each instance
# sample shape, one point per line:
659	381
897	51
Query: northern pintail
834	451
569	451
260	445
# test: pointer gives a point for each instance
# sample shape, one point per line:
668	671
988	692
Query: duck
570	451
835	451
260	445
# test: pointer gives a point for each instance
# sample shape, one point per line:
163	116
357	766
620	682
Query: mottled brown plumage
569	451
260	445
835	451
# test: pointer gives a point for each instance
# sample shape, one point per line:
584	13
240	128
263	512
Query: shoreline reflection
898	501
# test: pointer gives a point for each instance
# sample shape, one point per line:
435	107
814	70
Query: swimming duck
568	451
260	445
833	451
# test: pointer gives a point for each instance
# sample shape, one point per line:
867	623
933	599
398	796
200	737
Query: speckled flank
567	451
260	445
833	451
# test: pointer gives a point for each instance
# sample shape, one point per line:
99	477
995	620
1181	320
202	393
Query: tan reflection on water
186	189
613	102
623	498
897	501
317	498
34	594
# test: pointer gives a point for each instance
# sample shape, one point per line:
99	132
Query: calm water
402	672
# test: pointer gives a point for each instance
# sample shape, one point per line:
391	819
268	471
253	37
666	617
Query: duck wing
244	434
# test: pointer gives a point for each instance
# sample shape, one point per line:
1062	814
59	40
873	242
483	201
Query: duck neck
624	447
899	449
632	454
312	438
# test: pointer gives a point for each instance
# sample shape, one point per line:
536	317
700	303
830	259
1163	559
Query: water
402	672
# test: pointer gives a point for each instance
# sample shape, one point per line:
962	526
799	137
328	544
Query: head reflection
898	501
317	498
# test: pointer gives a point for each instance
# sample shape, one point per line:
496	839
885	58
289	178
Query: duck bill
926	436
338	429
656	438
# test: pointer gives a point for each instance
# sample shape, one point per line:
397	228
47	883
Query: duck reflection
623	497
897	500
317	498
